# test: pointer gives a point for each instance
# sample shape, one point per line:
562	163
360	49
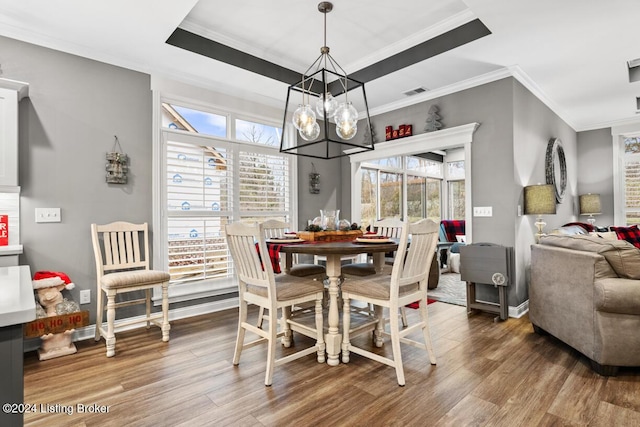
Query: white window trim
459	136
618	134
200	289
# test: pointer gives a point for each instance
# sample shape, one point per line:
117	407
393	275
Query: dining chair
388	227
406	284
121	251
274	228
258	285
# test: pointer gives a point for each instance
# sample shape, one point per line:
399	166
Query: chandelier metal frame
333	132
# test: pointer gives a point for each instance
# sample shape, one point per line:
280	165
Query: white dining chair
406	284
258	285
274	228
121	252
388	227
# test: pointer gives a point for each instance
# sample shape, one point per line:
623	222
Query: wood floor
488	374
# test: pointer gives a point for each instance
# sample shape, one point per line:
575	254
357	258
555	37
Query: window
632	180
369	197
456	190
211	180
390	195
258	133
386	183
190	120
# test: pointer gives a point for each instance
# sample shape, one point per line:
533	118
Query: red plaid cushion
453	228
274	256
630	234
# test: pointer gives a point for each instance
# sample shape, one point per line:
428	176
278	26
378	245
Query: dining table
333	251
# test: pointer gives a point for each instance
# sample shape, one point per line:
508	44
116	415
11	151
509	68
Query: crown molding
510	71
445	90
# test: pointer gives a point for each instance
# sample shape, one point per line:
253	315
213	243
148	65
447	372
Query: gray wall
332	183
507	153
534	125
67	124
595	163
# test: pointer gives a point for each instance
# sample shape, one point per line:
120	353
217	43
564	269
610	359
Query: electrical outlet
85	296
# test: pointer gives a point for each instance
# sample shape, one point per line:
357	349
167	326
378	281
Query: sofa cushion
630	234
623	257
607	235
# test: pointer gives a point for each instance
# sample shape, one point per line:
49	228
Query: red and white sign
4	230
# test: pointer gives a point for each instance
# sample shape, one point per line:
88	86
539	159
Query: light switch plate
482	211
48	215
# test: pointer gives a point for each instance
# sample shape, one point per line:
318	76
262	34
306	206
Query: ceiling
571	54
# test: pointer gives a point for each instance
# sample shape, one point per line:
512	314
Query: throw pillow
630	234
607	235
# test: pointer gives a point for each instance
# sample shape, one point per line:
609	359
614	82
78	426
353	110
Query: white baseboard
89	332
519	311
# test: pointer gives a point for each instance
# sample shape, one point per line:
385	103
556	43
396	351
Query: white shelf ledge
11	250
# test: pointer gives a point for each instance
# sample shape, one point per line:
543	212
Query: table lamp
539	200
590	205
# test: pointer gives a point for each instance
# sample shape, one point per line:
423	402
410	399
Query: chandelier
321	118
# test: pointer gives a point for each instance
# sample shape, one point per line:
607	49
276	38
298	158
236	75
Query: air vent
634	70
415	91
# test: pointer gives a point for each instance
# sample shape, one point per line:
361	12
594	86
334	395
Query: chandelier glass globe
303	116
310	132
346	112
330	105
346	130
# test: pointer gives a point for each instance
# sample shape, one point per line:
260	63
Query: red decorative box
401	131
387	132
4	230
408	130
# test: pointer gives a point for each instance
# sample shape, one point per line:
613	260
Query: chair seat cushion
303	270
378	286
359	269
290	287
125	279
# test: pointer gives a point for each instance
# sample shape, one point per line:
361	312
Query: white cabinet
11	92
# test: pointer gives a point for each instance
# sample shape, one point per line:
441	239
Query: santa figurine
49	286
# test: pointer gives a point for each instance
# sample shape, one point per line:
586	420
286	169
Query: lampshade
539	200
339	102
590	204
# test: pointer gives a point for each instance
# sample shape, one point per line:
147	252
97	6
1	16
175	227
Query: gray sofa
585	291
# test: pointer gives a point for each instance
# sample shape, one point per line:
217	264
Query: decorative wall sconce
117	164
314	180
